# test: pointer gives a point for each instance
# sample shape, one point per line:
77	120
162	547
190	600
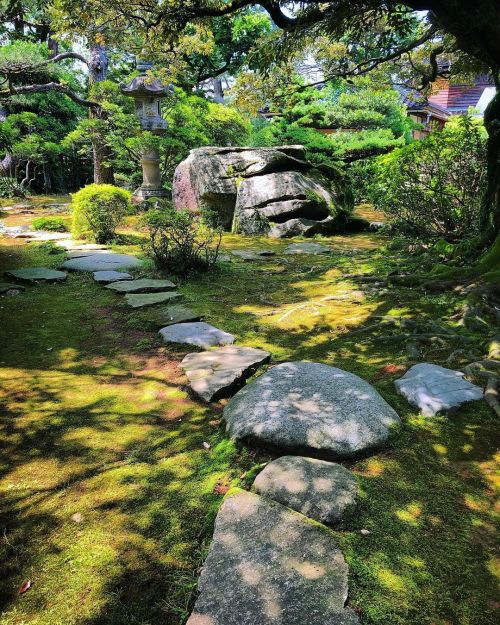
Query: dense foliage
97	210
433	187
180	241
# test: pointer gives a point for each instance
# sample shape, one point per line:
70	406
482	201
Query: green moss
95	427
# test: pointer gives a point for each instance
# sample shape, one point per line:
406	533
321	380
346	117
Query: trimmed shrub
54	224
97	210
180	241
433	188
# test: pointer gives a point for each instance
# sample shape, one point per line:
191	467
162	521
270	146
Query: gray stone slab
216	374
198	333
306	248
316	488
142	285
140	300
434	389
252	255
37	274
269	565
311	407
102	262
5	287
84	253
170	315
105	277
71	244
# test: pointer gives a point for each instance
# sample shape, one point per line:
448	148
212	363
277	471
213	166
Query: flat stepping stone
306	248
250	255
84	253
269	565
143	285
170	315
311	407
37	274
71	244
105	277
102	262
434	389
5	287
140	300
198	333
318	489
214	374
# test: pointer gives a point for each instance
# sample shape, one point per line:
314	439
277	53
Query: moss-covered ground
108	493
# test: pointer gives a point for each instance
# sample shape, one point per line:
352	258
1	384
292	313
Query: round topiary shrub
97	210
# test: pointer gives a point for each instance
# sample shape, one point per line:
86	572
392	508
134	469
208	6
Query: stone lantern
147	95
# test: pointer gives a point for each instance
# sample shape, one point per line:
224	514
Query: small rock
105	277
37	274
434	389
140	300
318	489
364	532
143	285
306	248
77	517
170	315
5	287
214	374
197	333
269	565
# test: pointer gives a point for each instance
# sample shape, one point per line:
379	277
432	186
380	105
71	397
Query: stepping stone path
307	248
105	277
269	565
250	255
214	374
141	300
311	407
5	287
318	489
37	274
143	285
434	389
170	315
70	244
198	333
102	262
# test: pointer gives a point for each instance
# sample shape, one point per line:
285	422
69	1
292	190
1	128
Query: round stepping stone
105	277
170	315
214	374
102	262
434	389
306	248
140	300
143	285
84	253
5	287
311	407
318	489
269	565
37	274
198	333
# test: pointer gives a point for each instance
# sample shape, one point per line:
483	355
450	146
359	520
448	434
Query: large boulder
269	565
251	189
313	408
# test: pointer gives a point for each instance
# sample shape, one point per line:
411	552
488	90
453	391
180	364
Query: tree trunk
103	170
102	153
218	90
490	213
47	180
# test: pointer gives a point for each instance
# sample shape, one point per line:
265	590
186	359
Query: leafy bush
433	187
9	187
55	224
180	241
97	210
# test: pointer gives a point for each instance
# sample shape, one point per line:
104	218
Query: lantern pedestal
151	177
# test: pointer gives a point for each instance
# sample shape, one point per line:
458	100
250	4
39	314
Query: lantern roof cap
143	85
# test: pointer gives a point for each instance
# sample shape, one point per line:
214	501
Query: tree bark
490	213
101	151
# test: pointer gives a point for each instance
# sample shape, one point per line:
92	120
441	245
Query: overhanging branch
47	87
